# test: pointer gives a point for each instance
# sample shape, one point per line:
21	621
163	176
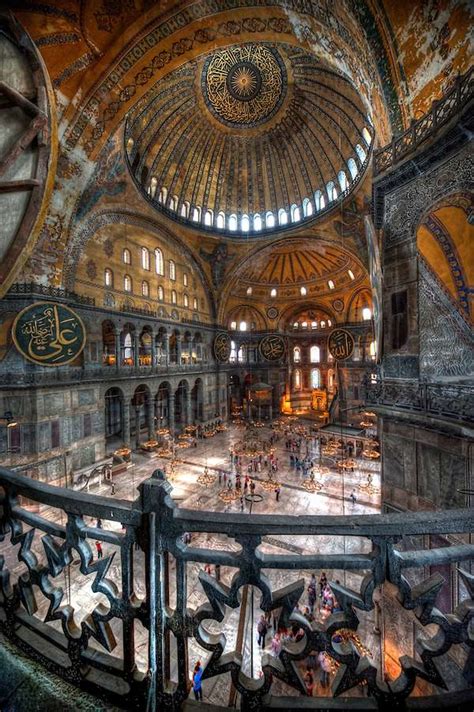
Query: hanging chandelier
270	484
346	463
368	487
370	454
229	494
311	484
205	478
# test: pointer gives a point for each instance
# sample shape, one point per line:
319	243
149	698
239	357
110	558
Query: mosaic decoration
338	305
341	344
272	347
49	334
272	313
222	347
244	85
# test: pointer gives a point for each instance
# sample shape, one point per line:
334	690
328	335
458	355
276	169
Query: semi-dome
249	139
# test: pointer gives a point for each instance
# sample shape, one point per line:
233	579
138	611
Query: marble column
126	422
118	355
189	407
166	347
137	425
150	418
136	348
190	349
153	351
171	424
179	346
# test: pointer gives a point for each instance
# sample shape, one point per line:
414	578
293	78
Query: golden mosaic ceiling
249	139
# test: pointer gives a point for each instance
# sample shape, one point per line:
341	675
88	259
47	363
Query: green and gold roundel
272	347
341	344
49	334
222	347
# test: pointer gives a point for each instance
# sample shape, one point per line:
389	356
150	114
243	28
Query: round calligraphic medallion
222	347
272	312
49	334
340	344
272	347
244	85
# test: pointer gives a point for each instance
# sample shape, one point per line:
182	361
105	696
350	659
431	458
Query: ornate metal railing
445	399
440	113
99	653
31	288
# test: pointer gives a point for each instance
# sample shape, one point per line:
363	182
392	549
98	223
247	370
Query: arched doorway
197	405
141	421
181	404
113	418
108	343
162	403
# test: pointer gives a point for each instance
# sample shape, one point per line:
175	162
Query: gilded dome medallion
244	85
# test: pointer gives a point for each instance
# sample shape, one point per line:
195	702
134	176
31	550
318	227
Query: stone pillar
126	422
137	425
118	354
189	409
136	348
166	347
171	423
190	349
153	351
150	418
270	412
179	346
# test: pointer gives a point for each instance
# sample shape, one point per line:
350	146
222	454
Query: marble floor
333	498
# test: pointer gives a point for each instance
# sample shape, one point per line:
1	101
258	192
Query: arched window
196	214
174	203
331	191
351	274
127	256
353	169
195	304
319	200
174	298
161	293
152	187
366	135
296	354
145	289
366	314
295	325
315	354
127	283
220	220
323	325
185	209
233	325
330	284
240	355
159	264
304	324
282	216
360	153
249	291
145	258
297	380
303	291
315	378
108	278
243	326
245	223
127	347
208	216
329	322
295	213
373	350
342	178
330	380
172	269
185	300
233	222
307	207
233	352
273	292
163	195
314	324
257	222
270	219
185	279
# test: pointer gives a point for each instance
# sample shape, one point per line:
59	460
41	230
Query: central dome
244	85
249	139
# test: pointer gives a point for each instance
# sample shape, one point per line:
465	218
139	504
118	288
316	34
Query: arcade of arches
236	246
